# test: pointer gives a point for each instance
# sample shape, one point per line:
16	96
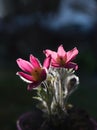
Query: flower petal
43	74
61	51
32	85
34	61
71	65
55	64
72	54
24	65
27	78
47	62
47	52
52	53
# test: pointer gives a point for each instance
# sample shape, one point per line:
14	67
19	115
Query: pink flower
61	58
34	73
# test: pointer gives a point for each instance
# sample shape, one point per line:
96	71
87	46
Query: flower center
60	60
37	74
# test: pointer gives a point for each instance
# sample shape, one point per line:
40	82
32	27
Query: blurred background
31	26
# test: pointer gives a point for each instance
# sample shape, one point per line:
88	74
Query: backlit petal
47	52
55	64
27	78
47	62
71	65
24	65
52	53
34	61
72	54
61	51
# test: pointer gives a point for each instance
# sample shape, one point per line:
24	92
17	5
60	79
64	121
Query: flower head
34	73
61	58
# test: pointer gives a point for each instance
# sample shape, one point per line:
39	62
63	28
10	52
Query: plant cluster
53	81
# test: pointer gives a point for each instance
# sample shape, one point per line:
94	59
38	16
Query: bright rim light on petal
24	79
24	65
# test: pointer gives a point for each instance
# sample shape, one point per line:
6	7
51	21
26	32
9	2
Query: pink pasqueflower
34	73
61	58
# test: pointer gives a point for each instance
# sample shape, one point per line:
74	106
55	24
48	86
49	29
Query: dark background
26	27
